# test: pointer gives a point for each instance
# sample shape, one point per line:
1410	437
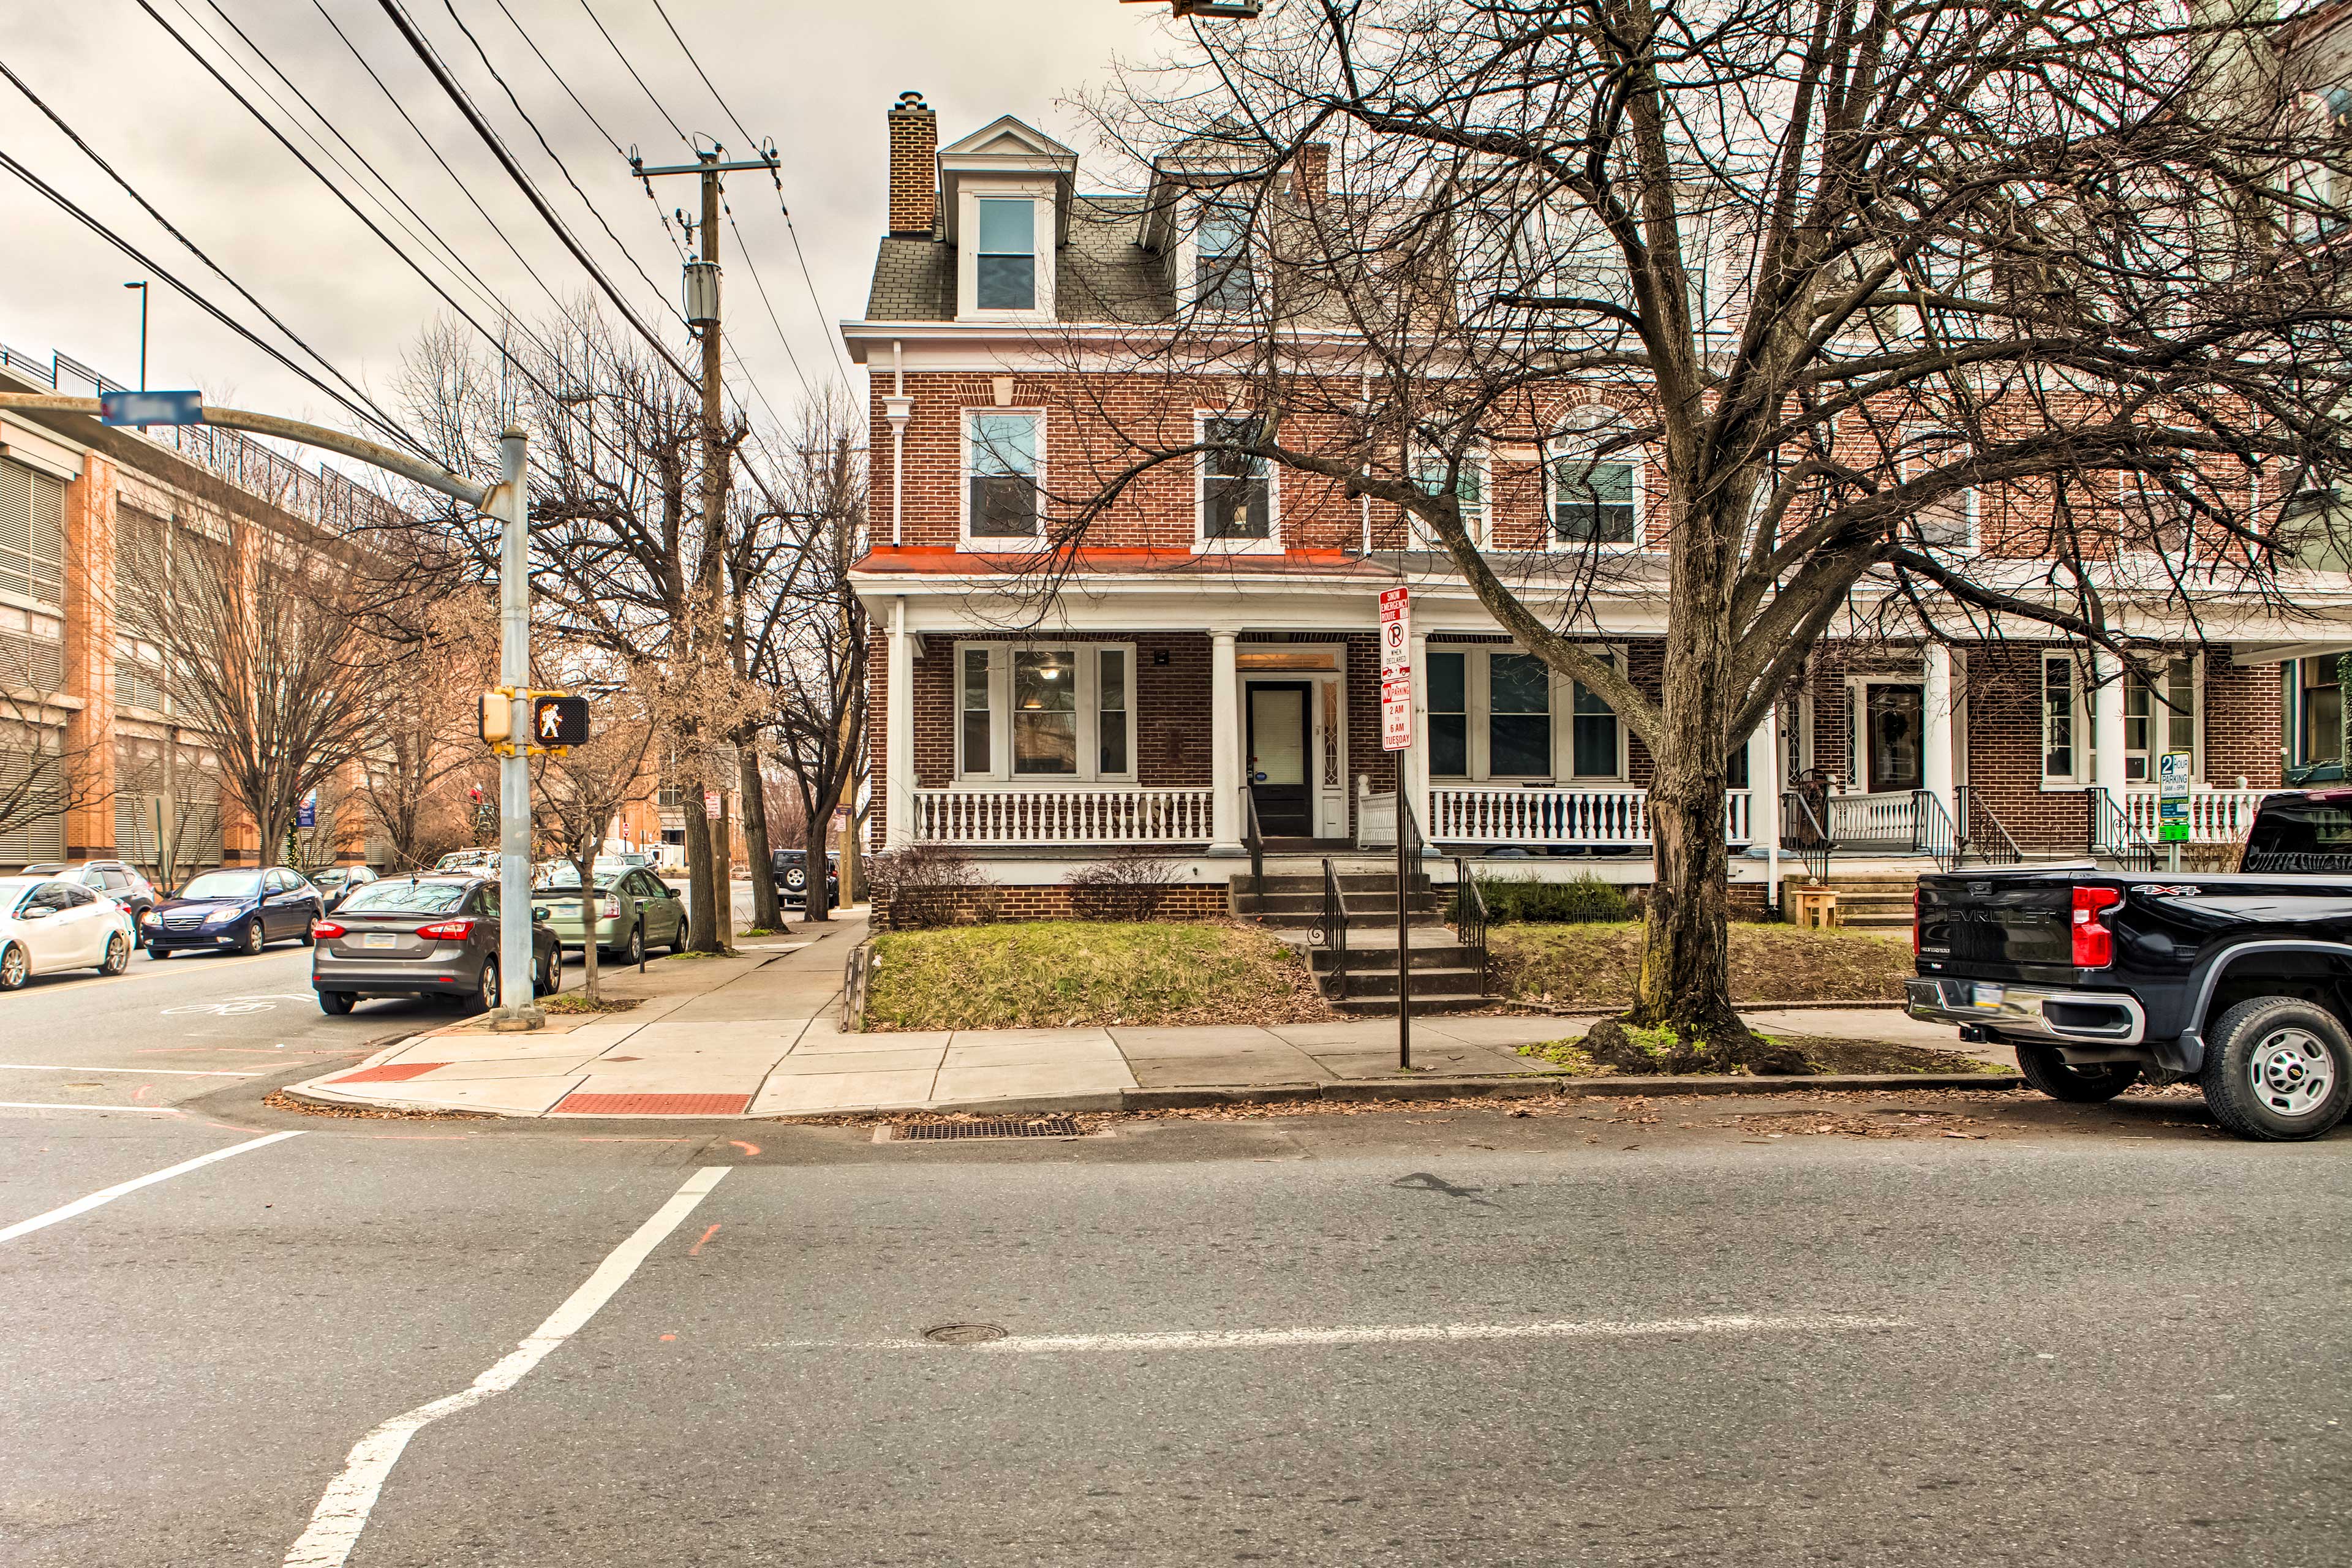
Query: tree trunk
767	909
587	936
702	910
816	908
722	881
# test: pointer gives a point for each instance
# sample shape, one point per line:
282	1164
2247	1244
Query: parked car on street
634	911
481	860
431	935
791	878
116	880
2099	978
234	911
49	923
335	883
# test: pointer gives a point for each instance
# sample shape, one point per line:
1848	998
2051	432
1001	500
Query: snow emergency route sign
1396	671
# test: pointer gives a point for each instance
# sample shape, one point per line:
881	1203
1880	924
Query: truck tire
2277	1068
2047	1071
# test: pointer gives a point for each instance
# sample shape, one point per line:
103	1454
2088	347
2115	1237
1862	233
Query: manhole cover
963	1334
1047	1127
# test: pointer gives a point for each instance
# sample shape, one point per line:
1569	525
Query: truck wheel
2277	1068
2087	1085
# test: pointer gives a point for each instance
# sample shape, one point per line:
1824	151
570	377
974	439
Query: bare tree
1804	277
580	791
426	745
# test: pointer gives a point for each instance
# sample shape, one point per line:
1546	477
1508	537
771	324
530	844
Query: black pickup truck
2099	979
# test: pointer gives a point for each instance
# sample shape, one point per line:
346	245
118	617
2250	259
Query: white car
48	923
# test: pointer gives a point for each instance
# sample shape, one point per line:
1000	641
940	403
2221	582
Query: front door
1895	728
1278	717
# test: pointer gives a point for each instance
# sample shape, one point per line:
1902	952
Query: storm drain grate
1050	1127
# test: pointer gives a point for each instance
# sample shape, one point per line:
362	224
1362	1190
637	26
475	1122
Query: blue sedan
234	911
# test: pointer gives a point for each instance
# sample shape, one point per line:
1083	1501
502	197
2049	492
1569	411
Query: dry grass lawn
1596	965
1054	975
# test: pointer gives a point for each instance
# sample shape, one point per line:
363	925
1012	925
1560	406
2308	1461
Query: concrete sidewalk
759	1035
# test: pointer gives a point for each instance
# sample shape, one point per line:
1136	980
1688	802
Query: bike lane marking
120	1189
343	1511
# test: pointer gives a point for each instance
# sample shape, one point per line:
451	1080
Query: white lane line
135	1109
343	1511
1367	1334
143	1072
83	1205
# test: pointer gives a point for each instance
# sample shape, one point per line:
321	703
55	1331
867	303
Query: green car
635	910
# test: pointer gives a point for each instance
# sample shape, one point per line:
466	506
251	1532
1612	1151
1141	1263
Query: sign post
1396	738
2172	804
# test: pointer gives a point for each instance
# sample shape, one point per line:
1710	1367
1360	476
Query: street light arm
427	474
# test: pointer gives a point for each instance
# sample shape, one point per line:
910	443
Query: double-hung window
1000	468
1595	497
1006	272
1491	717
1236	487
1449	714
1221	263
1469	494
1518	717
2319	716
2059	708
1042	712
2160	718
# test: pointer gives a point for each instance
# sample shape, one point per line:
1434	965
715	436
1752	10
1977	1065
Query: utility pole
702	318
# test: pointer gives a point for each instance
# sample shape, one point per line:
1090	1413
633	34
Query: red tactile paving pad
396	1073
652	1104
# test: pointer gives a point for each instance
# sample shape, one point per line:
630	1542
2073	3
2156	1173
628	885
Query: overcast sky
815	77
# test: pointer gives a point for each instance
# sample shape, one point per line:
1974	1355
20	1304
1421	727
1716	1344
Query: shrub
1128	886
1524	901
927	885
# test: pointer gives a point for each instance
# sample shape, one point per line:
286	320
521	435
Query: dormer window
1221	268
1007	254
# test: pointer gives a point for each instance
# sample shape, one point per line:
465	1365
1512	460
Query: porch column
1224	747
1765	776
898	750
1420	751
1935	770
2107	729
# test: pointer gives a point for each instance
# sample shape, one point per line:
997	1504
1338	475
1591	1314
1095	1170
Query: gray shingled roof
1102	274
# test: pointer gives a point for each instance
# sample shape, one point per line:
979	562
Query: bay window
1000	470
1042	712
1006	257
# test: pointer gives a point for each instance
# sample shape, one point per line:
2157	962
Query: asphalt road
1630	1334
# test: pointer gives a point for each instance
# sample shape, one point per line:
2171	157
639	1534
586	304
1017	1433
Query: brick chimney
1311	172
914	165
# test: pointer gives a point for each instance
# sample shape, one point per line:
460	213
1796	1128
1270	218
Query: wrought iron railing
2112	834
1802	834
1254	842
1932	829
1982	837
1331	934
1470	923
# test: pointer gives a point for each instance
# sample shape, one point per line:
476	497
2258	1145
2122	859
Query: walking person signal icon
559	720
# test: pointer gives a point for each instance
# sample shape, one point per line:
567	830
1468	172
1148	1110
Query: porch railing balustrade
1583	818
2215	816
1041	817
2113	835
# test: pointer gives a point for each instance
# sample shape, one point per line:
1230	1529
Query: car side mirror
38	912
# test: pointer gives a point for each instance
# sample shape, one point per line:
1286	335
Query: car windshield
567	880
222	885
405	897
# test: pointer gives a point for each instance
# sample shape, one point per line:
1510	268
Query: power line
757	282
514	170
824	323
623	57
380	418
223	316
554	157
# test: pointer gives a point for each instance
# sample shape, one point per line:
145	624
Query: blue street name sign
152	407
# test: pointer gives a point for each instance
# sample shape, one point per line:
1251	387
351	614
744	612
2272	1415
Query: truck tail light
1915	923
325	929
2095	945
448	930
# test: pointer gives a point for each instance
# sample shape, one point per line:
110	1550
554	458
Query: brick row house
1204	662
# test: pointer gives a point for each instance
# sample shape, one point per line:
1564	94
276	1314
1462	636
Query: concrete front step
1385	1006
1312	904
1364	960
1449	981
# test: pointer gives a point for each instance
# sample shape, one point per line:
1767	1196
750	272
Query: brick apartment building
1210	652
79	682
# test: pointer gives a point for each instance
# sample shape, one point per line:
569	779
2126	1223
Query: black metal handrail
1254	842
2113	833
1802	834
1333	935
1932	832
1982	835
1470	923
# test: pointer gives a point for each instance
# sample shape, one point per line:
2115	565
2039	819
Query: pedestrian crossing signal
559	720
